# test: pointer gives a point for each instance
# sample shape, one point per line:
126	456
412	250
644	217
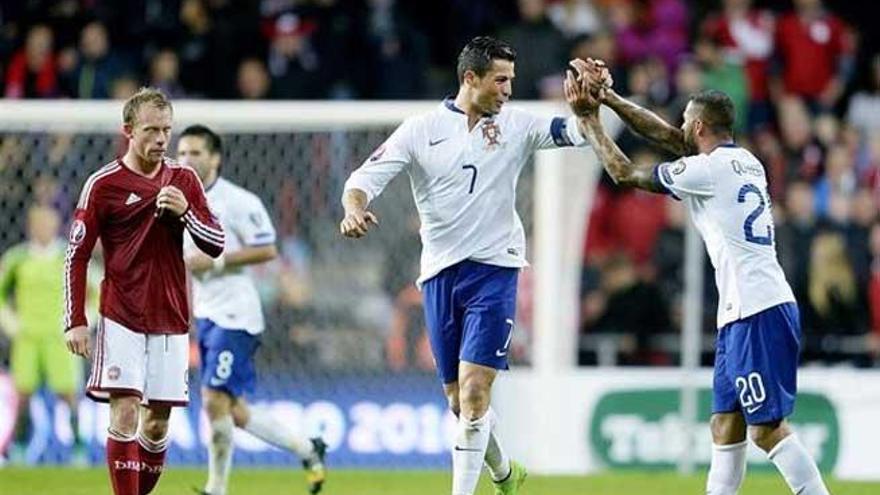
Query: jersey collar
449	103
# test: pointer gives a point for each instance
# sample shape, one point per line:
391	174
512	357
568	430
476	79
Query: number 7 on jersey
472	168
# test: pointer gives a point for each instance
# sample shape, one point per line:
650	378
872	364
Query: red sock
152	456
124	464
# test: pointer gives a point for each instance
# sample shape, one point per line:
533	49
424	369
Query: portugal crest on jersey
491	134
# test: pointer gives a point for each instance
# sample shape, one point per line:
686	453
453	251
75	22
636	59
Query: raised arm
623	171
647	123
643	121
584	102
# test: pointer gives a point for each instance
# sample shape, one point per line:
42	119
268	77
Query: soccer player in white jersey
463	160
725	188
230	320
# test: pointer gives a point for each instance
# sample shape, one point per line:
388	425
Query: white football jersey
726	193
464	182
230	298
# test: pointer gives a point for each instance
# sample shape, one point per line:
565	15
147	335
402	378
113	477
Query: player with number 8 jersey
724	187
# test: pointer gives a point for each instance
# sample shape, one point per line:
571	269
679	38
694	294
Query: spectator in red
746	34
32	72
816	51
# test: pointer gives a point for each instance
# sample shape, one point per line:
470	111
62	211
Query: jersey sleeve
556	132
84	232
389	159
252	223
200	221
688	176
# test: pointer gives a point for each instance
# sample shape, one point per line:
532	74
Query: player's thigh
24	364
63	370
167	366
442	319
763	355
228	362
118	361
489	317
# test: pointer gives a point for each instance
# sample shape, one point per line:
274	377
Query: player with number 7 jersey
724	187
463	160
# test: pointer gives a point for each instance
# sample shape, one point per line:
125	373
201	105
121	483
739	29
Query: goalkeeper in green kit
31	310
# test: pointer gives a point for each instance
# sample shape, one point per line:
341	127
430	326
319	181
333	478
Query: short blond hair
145	96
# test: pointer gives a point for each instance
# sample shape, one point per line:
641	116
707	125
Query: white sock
267	428
797	467
220	450
728	469
496	459
471	440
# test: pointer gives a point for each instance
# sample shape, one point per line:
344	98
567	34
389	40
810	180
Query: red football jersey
144	286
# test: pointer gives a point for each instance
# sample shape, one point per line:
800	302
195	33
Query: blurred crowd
804	75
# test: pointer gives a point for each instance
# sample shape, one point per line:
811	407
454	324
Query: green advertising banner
641	428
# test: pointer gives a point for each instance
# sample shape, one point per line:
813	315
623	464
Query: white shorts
153	366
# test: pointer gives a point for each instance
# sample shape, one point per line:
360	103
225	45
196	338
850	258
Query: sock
728	468
152	454
124	463
471	440
496	459
265	427
797	467
220	450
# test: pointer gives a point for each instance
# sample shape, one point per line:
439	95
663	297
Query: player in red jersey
139	206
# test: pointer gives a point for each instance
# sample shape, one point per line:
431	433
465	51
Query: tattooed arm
619	167
647	123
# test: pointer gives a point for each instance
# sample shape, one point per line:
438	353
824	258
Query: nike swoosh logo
466	450
503	351
751	410
216	383
434	143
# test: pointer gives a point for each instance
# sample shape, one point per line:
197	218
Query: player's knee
124	417
727	429
217	405
240	415
473	400
155	429
766	436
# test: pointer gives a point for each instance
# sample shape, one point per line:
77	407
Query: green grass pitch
179	481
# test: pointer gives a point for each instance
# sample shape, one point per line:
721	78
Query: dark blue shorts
756	360
227	358
470	309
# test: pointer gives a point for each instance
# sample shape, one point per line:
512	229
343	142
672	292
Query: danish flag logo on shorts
113	373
